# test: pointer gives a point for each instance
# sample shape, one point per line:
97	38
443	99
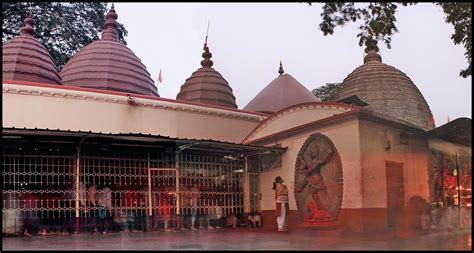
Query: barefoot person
282	206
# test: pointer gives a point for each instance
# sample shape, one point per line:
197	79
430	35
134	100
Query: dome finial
206	63
28	26
280	70
110	28
371	49
30	9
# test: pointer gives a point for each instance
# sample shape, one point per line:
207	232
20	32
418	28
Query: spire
371	49
28	27
206	63
280	70
110	28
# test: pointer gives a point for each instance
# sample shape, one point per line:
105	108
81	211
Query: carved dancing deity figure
313	178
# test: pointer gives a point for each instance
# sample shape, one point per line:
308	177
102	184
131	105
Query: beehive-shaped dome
24	58
109	65
282	92
207	86
387	90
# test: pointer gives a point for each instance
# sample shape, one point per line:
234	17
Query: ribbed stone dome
109	65
25	58
387	90
284	91
207	86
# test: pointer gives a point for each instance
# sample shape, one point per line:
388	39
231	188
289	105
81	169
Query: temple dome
387	90
207	86
282	92
25	58
109	65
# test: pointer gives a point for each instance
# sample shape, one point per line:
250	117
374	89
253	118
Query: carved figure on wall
318	182
312	173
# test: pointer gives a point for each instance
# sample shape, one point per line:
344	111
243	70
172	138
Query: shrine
372	160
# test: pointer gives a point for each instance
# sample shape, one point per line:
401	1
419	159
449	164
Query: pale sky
247	41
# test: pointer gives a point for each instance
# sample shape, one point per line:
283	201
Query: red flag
160	80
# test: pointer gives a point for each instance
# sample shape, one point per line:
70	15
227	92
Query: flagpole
207	33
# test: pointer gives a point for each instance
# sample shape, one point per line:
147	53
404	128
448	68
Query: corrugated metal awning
136	139
458	131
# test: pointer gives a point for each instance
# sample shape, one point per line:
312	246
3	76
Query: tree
63	28
379	18
327	92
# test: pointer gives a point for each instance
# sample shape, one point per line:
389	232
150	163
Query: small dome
387	90
207	86
109	65
284	91
25	58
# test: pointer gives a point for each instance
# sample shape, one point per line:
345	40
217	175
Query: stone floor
244	239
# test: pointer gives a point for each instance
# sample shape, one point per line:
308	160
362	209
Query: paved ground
243	239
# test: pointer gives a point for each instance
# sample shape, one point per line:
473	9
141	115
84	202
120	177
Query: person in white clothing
282	206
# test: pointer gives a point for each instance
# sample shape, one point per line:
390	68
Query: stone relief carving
318	182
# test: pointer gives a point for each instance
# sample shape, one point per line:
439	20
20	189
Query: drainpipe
77	180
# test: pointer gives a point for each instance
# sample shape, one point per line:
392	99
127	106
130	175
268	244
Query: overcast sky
248	40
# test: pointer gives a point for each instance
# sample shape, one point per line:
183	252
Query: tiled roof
282	92
387	90
108	64
25	58
207	86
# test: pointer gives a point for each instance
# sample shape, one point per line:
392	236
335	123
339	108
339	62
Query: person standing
131	204
165	205
282	206
195	203
92	199
105	207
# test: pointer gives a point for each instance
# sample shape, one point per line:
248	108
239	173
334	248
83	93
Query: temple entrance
395	193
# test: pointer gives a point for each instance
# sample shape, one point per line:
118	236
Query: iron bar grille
60	190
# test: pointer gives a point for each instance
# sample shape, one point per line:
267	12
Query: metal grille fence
217	185
37	190
254	168
49	190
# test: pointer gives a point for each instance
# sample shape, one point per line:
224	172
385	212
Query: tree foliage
460	16
379	18
63	28
327	92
